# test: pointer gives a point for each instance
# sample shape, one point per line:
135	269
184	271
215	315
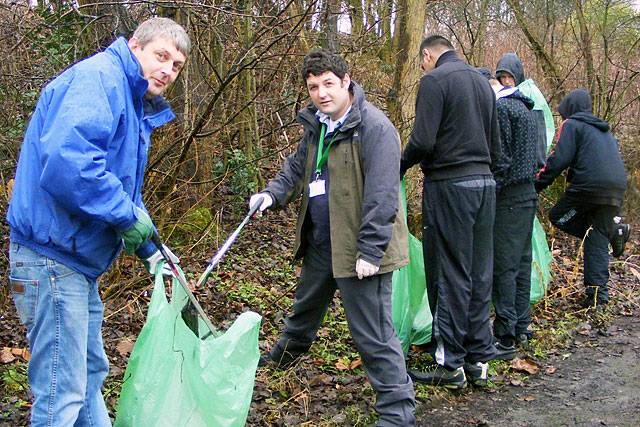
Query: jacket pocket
25	297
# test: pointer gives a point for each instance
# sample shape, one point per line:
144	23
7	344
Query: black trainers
477	373
284	354
523	340
441	376
619	239
591	302
264	360
505	350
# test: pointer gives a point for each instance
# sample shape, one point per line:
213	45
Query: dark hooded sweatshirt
510	63
587	147
518	133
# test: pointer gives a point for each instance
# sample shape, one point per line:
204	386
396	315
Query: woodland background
239	94
237	100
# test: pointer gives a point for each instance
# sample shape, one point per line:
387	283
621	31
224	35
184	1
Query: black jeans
594	224
458	253
512	268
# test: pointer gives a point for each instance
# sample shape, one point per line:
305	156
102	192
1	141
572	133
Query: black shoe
264	360
505	350
590	302
523	339
477	373
279	359
619	239
441	376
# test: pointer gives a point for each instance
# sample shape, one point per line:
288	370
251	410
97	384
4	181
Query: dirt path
594	382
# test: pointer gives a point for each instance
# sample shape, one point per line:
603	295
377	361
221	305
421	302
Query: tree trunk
547	62
330	27
585	46
409	31
356	14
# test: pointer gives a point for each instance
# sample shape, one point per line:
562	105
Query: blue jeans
62	311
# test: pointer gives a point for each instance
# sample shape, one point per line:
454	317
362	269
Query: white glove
264	199
365	269
152	262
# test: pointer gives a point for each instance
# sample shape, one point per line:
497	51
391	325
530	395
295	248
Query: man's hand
151	263
265	201
365	269
139	232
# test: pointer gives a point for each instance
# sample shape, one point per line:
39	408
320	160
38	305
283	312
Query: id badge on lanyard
317	187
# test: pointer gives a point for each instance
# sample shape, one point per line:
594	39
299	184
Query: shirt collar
331	124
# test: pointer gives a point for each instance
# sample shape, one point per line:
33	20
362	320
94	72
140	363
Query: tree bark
409	31
546	60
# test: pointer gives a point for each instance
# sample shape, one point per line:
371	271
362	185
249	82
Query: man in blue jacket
597	182
76	200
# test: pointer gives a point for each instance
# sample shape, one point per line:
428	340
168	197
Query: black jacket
455	133
511	64
587	147
518	135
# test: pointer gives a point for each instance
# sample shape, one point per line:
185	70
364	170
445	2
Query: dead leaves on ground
525	365
345	365
124	346
9	354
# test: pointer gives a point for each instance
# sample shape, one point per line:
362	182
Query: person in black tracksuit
456	140
516	202
597	182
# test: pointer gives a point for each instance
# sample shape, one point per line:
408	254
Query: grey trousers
367	304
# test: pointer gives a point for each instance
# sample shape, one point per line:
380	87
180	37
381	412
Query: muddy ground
587	362
593	382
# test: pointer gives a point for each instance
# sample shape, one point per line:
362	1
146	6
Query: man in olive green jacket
351	233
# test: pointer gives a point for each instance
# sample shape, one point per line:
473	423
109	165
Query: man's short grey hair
165	28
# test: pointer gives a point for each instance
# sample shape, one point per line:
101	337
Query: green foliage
194	223
240	172
14	379
58	45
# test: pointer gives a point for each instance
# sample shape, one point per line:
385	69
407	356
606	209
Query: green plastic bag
409	301
540	265
410	304
540	272
176	379
528	88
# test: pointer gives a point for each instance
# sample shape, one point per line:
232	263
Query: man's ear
346	80
133	43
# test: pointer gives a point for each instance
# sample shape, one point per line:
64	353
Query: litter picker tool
215	260
195	308
191	311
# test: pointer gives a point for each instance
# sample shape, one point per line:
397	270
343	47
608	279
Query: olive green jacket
364	197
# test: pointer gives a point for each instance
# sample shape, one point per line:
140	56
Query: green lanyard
323	153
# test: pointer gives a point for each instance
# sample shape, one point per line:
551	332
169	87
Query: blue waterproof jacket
82	162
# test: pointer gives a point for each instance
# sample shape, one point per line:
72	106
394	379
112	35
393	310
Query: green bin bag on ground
410	304
176	379
541	263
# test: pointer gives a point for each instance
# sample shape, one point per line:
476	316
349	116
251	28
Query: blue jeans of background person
62	311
